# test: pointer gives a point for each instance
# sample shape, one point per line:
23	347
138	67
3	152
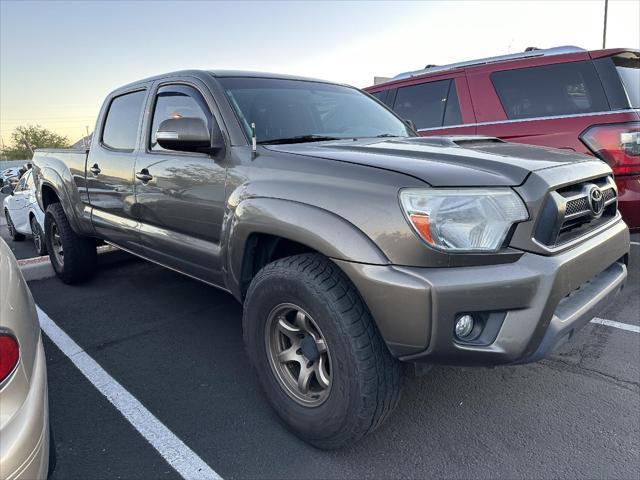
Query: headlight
463	219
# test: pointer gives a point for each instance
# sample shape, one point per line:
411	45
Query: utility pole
604	30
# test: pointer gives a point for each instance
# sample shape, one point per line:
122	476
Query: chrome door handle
95	169
144	176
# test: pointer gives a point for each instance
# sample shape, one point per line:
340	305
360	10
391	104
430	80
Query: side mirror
7	190
188	134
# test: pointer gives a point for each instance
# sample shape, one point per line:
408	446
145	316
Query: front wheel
38	240
73	256
319	356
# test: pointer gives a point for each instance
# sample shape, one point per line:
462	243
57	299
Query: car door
31	204
180	196
18	205
110	169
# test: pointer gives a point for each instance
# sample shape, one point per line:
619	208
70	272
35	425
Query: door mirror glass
7	190
184	134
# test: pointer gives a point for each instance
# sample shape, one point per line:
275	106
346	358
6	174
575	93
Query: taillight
618	145
9	355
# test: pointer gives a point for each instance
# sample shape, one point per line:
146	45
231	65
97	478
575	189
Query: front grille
609	194
567	214
577	206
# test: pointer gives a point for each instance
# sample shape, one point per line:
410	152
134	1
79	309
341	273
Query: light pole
604	30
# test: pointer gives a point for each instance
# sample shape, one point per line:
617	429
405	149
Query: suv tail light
618	145
9	355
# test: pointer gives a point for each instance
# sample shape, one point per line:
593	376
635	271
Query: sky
58	60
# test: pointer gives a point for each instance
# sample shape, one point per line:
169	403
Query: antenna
254	140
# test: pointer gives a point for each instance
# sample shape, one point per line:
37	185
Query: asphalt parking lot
176	346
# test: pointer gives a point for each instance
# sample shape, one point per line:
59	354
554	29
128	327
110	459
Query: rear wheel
319	356
38	240
73	256
13	233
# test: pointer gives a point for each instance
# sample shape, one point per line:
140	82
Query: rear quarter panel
64	171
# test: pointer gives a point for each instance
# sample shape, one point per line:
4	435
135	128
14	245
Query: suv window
29	182
176	101
549	90
121	125
22	183
382	96
429	105
628	67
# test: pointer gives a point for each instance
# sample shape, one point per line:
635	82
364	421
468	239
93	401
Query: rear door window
429	105
550	90
30	184
22	184
123	118
452	115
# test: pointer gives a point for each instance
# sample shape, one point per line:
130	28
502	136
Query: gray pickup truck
354	246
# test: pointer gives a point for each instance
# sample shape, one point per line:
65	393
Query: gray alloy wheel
298	355
56	244
36	233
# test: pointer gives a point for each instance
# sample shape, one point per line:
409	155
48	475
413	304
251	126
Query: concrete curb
40	268
37	268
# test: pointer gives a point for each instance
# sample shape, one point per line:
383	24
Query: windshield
628	67
308	111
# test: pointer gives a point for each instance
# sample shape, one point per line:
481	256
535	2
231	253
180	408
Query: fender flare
52	179
319	229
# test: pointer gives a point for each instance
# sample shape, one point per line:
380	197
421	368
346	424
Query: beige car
24	408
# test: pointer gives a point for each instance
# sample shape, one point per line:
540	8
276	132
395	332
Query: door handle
144	176
95	169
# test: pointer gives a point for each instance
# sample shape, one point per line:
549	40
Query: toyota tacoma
354	245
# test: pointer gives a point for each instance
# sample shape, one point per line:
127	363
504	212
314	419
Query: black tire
78	259
365	379
38	237
13	235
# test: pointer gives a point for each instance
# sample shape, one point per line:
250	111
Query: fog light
464	326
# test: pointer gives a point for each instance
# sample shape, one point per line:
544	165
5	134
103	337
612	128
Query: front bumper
535	303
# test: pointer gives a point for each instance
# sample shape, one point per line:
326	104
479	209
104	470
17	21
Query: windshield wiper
298	139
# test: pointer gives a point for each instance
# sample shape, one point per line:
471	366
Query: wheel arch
52	190
262	230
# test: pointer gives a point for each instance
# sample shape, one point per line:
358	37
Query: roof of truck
223	74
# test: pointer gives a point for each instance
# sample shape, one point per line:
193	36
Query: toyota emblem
596	201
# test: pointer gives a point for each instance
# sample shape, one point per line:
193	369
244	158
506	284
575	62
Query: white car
24	215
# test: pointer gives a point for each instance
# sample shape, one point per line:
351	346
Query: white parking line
186	462
620	325
635	243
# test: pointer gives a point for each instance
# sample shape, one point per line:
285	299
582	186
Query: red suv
563	97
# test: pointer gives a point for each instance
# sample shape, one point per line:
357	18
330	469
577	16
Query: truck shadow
176	345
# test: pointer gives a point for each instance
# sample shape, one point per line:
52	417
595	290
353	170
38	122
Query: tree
27	138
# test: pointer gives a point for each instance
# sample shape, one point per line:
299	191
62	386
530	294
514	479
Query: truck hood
443	161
